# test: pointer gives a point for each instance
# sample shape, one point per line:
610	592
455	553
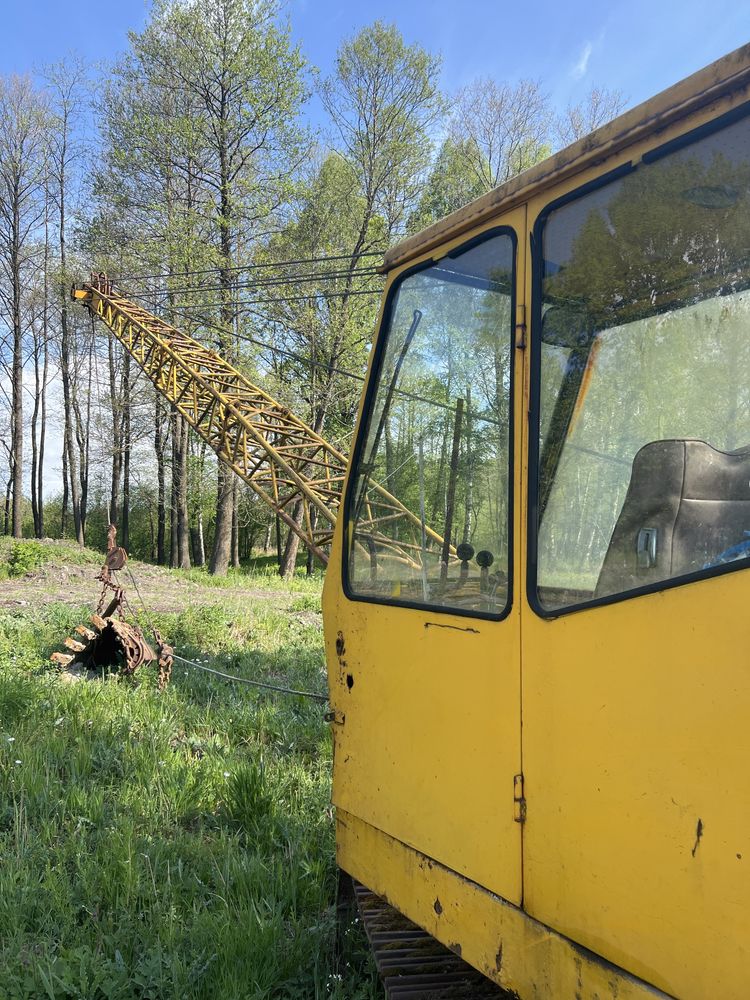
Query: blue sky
639	46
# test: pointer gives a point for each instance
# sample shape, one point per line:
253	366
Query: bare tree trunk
34	436
161	503
41	345
183	518
83	435
174	515
8	491
114	492
65	500
236	524
223	529
225	491
126	446
43	427
310	562
289	559
196	536
70	468
196	530
17	434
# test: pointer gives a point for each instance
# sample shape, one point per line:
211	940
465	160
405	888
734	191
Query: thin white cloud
579	70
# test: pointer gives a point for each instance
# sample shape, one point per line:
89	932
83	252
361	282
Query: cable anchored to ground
312	695
248	681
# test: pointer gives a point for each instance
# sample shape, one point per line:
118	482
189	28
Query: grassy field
175	845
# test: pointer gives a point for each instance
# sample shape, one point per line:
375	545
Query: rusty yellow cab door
636	675
421	607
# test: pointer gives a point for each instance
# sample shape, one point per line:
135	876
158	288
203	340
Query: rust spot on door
698	835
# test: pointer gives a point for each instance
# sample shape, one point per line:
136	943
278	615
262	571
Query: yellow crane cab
540	680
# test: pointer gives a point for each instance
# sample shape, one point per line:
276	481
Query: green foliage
384	102
24	557
450	185
174	845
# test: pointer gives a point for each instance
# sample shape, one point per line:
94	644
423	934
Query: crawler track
411	963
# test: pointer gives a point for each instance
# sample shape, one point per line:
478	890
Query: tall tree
40	328
502	128
220	86
598	107
68	100
23	153
383	103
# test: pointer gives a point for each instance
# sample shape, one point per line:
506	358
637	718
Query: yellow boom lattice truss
290	467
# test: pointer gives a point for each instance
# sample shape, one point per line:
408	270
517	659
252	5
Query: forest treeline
190	171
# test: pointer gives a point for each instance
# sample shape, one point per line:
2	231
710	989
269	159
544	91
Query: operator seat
687	505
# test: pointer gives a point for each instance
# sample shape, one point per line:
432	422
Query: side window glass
643	462
428	509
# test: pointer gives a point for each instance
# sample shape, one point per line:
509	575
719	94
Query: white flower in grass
19	762
11	739
226	774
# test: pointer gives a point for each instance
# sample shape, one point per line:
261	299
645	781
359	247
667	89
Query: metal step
411	963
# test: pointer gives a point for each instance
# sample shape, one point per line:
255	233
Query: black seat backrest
687	503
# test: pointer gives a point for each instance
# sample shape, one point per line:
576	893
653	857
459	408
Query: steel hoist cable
248	681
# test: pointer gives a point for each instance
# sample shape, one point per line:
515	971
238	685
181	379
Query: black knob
464	551
485	558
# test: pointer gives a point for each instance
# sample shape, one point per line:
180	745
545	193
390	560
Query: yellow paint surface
496	937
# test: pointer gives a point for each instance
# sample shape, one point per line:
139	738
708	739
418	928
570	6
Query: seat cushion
698	500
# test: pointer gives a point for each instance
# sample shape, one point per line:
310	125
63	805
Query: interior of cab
641	466
644	468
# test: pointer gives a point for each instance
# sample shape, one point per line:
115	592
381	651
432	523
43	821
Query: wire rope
248	681
258	266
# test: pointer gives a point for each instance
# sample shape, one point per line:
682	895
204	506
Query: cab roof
727	75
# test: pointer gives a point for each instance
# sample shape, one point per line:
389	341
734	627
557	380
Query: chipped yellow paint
499	939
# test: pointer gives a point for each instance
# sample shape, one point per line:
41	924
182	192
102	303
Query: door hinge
519	800
521	326
335	717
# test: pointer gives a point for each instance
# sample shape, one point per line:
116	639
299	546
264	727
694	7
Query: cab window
641	471
428	510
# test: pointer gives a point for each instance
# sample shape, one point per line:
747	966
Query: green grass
20	556
175	845
260	574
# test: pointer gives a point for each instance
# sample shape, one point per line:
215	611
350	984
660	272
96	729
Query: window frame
686	139
363	429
